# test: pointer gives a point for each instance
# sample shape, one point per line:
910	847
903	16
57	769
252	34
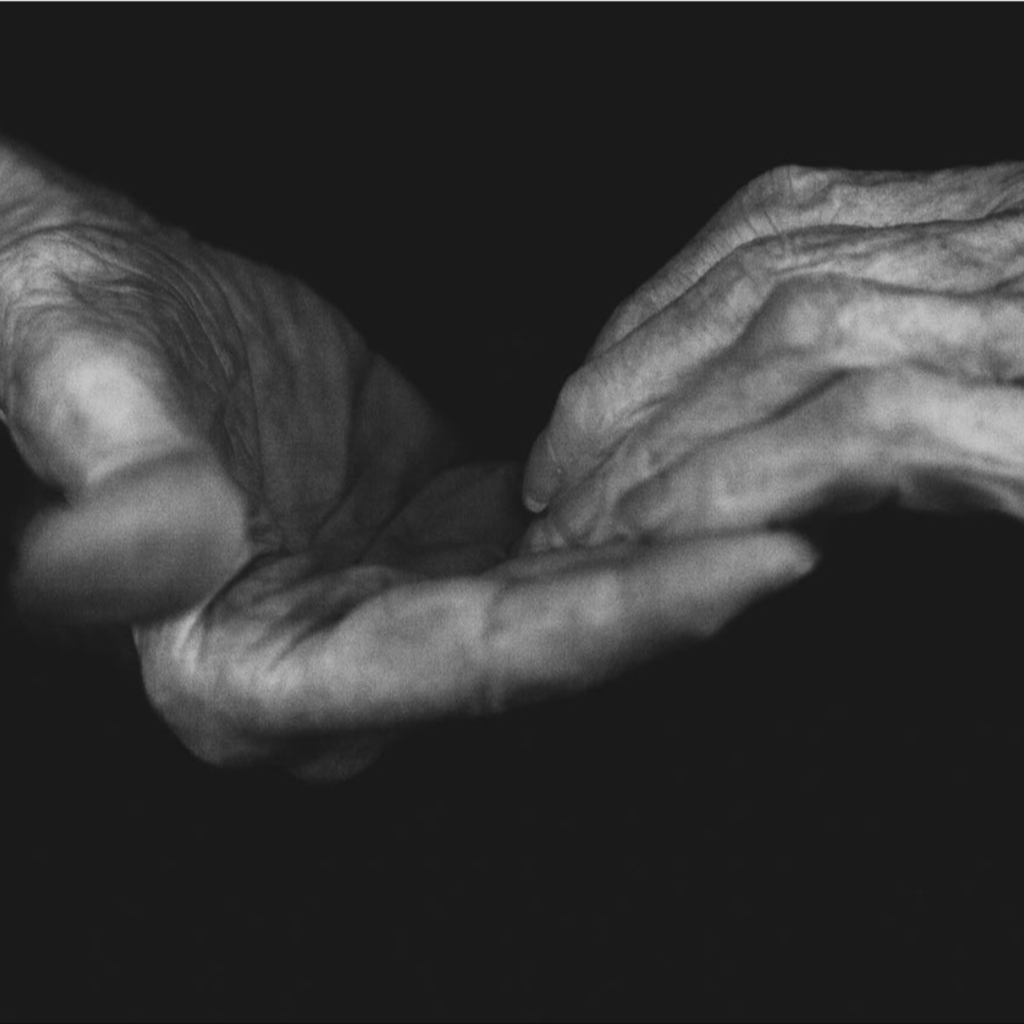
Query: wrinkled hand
829	339
309	562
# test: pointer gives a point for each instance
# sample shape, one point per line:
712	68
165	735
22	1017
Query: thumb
147	542
151	523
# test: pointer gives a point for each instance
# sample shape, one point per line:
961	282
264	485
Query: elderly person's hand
830	338
308	560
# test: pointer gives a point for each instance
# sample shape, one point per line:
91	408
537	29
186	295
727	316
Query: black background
817	815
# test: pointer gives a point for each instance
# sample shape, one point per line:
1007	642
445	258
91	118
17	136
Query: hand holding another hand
309	560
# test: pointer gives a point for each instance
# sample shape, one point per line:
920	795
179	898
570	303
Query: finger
150	541
152	523
794	198
606	398
553	626
930	441
809	333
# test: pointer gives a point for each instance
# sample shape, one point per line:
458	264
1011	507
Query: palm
356	488
371	584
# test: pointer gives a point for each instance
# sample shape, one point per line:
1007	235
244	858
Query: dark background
814	816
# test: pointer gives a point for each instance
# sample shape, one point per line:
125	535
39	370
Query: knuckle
720	481
802	183
793	195
764	222
854	403
824	193
781	191
759	208
648	456
763	260
800	313
753	212
873	426
637	458
872	402
772	186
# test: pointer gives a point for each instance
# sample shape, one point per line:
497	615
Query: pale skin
309	562
829	338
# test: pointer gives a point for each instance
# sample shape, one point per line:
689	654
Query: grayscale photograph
509	522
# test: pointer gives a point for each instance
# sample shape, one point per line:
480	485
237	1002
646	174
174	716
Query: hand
309	562
829	338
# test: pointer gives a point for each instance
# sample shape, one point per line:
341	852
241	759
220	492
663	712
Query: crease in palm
326	563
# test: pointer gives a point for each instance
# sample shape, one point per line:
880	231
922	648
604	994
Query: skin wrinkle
153	312
868	410
256	433
243	426
189	305
851	195
129	284
345	635
780	322
113	299
253	662
650	371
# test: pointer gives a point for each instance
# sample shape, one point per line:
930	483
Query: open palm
309	562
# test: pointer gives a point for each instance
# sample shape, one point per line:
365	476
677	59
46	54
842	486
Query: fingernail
533	504
543	474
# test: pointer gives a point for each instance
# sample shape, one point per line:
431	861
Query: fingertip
777	558
744	566
718	578
800	555
534	504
